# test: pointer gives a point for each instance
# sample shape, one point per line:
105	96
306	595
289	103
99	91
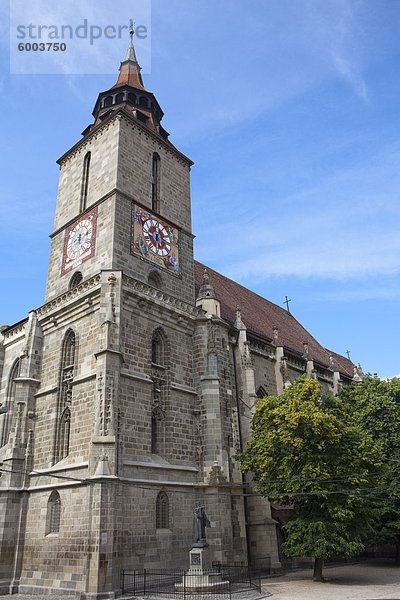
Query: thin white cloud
344	228
340	35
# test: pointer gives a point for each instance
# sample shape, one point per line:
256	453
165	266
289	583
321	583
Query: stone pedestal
201	577
199	558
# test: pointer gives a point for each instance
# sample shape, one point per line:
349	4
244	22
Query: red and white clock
156	237
154	240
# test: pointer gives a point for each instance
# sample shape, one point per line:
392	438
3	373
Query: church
126	396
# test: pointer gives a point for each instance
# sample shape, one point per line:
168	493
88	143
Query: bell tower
124	196
111	422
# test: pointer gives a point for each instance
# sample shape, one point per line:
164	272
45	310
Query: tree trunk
398	555
318	565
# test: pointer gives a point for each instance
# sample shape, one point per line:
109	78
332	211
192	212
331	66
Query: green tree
305	450
376	406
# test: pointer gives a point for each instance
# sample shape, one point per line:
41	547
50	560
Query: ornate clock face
156	237
155	240
80	240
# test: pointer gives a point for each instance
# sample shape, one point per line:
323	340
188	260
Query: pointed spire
238	322
129	71
207	298
131	54
206	289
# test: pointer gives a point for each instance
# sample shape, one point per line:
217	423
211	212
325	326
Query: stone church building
127	394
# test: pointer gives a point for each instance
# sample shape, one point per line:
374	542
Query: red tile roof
260	317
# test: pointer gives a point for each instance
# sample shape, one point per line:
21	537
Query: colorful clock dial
156	237
80	241
154	240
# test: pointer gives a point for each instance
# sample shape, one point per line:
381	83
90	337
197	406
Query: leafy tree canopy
375	404
307	450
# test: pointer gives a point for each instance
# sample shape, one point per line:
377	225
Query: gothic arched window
53	515
162	511
75	280
66	377
85	181
155	185
158	347
6	418
155	280
261	393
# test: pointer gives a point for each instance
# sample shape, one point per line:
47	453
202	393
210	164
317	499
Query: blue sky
290	110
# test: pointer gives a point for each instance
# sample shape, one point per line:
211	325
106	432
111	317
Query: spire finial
131	54
206	289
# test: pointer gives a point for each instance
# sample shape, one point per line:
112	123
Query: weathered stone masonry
133	386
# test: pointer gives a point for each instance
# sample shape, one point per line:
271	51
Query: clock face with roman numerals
155	240
156	237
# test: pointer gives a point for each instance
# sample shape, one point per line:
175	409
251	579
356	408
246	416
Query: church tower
126	396
124	195
103	443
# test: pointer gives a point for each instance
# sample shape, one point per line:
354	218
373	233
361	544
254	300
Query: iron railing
220	582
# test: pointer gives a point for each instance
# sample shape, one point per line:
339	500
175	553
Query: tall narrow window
162	511
65	424
154	436
85	181
6	418
157	348
155	351
157	431
155	188
66	377
159	374
53	515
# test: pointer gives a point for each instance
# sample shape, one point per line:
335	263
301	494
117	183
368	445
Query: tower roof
129	71
130	94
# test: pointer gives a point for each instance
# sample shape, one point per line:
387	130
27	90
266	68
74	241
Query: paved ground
363	581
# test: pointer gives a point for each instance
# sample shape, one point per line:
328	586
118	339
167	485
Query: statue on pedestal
200	522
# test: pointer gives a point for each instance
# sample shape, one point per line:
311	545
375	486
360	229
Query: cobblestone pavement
365	581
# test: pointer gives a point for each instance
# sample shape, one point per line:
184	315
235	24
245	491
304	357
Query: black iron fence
219	582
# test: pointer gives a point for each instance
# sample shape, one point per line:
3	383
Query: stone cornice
118	115
109	194
66	297
14	330
158	296
149	465
183	388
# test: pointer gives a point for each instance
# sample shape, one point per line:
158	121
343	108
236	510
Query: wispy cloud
339	32
345	227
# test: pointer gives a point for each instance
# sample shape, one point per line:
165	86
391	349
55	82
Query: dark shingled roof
260	317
